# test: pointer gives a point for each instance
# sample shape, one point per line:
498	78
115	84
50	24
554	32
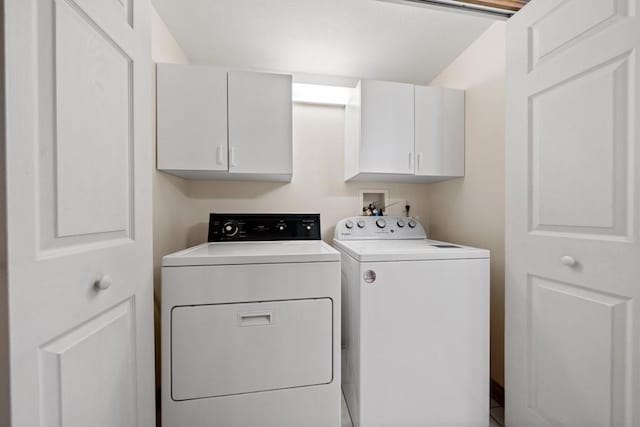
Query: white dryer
415	326
251	326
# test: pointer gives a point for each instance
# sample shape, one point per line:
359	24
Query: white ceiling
355	38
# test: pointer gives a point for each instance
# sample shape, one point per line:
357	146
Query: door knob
567	260
103	283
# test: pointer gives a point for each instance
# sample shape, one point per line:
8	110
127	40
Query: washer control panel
379	228
263	227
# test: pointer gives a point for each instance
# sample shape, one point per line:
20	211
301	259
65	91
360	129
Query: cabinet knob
567	260
103	283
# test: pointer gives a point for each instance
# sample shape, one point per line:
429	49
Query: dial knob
349	224
412	223
400	223
361	223
381	223
230	229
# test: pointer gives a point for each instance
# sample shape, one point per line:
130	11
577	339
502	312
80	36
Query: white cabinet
260	123
191	118
219	124
439	132
387	127
402	132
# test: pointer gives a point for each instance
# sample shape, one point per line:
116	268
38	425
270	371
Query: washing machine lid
407	250
233	253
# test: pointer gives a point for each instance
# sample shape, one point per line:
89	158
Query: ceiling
354	38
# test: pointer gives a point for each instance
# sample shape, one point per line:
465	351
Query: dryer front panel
229	349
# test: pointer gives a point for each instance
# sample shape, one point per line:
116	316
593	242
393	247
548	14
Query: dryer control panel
379	228
263	227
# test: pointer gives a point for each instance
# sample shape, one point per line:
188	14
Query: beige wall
471	210
169	193
318	181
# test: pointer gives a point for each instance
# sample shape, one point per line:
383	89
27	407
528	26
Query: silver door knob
103	283
568	261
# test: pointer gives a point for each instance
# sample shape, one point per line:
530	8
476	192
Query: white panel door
260	123
78	188
573	215
387	143
439	131
192	118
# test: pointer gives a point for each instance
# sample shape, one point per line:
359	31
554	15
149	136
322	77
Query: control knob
400	223
349	224
361	223
281	226
412	223
230	229
381	223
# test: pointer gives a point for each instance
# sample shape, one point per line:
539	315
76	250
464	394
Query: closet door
260	123
387	121
573	215
78	217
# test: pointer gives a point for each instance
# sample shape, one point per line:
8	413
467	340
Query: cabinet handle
232	156
255	319
419	160
410	160
219	153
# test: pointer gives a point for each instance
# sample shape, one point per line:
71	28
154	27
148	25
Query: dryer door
227	349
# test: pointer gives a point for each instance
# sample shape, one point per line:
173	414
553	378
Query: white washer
415	326
251	326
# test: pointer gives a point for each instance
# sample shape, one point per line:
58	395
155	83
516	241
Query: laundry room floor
496	418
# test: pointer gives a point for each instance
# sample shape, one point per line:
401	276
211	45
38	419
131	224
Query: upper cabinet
439	132
260	125
214	124
402	132
191	118
386	121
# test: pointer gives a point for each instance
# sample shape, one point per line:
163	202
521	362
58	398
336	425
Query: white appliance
251	326
415	326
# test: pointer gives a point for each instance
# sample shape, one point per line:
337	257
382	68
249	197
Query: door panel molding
83	205
596	334
94	84
571	26
66	377
562	202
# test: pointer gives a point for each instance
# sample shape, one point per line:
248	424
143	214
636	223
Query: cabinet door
260	134
192	118
387	128
439	131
